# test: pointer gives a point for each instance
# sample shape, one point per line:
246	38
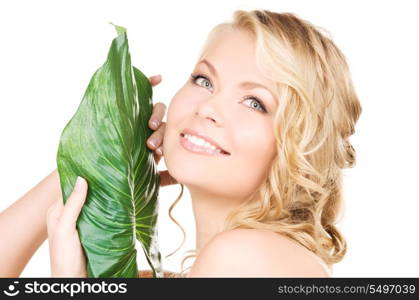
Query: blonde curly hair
301	197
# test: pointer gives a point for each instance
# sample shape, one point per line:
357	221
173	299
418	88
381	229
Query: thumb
53	215
74	203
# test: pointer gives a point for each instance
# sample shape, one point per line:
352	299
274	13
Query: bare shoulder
256	253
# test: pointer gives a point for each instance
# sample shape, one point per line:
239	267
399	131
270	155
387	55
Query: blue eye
258	102
195	77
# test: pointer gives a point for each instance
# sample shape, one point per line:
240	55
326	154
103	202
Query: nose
208	110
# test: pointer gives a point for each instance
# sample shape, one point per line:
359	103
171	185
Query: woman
259	136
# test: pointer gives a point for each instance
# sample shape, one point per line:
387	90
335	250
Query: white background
50	49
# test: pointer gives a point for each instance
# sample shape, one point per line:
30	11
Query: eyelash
194	77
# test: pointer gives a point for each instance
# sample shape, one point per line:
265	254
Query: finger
74	204
155	80
156	139
166	178
156	118
159	150
53	215
156	157
55	208
158	154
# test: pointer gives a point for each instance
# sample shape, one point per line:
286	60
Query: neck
210	211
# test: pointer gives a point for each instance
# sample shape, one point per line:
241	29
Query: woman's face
215	107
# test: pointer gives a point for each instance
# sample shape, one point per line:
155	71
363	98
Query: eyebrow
244	84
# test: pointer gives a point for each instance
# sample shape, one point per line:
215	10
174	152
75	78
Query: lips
206	138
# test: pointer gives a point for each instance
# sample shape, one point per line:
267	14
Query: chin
185	172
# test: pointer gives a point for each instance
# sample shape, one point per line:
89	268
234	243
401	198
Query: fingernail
79	184
155	123
152	143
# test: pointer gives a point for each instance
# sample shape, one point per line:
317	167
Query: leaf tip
119	29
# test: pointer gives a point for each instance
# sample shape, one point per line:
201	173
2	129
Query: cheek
256	149
180	108
256	139
181	164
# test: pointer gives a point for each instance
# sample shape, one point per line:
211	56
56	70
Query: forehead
234	48
233	54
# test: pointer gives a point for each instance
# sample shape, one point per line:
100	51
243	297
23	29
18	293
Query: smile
198	145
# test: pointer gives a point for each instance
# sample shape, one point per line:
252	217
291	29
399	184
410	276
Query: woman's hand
155	141
66	254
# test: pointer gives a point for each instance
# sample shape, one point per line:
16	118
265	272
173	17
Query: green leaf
105	143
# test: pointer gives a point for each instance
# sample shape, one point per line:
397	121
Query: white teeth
200	142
